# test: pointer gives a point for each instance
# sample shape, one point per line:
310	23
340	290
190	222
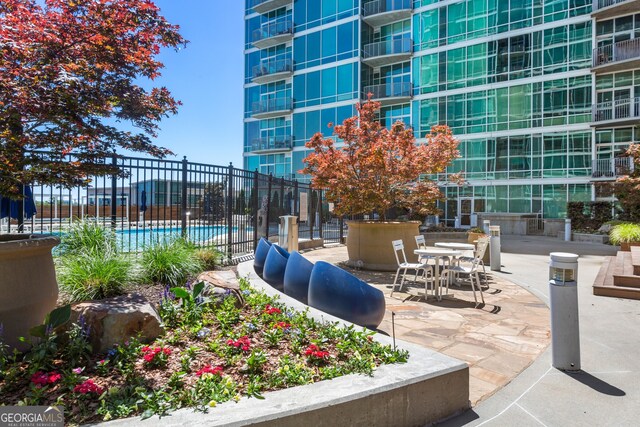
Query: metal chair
404	266
472	270
481	249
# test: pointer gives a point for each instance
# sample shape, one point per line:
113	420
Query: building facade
541	93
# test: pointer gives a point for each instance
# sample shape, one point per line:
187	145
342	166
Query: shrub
209	258
86	236
171	261
625	233
95	274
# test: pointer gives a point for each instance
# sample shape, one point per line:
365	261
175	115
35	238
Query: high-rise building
544	95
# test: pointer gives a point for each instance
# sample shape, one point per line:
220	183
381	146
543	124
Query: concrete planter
28	287
369	243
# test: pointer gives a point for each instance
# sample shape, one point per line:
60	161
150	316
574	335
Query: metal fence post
20	218
281	207
296	209
254	201
230	211
183	203
114	190
269	203
319	209
341	222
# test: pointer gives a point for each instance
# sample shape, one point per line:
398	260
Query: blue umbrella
143	201
9	207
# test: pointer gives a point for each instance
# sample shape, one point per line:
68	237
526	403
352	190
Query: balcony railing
271	107
388	90
387	52
272	70
618	110
380	12
612	168
273	143
264	6
620	51
273	33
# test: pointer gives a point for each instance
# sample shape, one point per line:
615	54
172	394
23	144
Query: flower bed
209	355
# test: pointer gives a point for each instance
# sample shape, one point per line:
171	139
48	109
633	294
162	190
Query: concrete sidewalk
607	390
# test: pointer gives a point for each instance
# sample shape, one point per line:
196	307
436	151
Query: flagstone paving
498	340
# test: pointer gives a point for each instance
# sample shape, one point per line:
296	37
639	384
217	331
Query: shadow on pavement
596	383
460	420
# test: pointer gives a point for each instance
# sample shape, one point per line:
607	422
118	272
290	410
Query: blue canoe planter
296	277
261	255
337	292
274	266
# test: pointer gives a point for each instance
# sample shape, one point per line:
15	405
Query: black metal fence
213	206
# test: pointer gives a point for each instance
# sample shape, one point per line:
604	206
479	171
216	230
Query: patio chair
422	244
481	249
404	266
472	270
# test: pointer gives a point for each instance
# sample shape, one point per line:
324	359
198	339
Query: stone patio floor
498	340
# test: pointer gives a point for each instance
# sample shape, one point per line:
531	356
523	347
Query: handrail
381	6
278	27
388	90
272	66
620	51
619	109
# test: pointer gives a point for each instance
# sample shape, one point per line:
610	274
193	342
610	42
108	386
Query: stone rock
114	320
221	284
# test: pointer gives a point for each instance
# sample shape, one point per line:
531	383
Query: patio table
456	246
436	254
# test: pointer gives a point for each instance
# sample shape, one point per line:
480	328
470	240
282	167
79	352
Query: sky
208	78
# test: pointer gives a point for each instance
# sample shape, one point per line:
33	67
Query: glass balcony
603	169
272	70
619	112
382	12
264	6
272	34
387	52
620	56
272	143
274	107
389	93
604	9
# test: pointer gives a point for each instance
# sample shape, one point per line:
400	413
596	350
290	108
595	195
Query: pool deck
605	392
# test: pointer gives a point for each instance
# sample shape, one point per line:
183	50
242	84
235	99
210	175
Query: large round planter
274	267
28	287
340	293
261	255
296	277
369	243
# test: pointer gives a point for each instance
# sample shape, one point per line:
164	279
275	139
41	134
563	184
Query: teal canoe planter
296	277
274	266
340	293
261	255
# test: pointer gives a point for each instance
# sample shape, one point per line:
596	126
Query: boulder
114	320
221	284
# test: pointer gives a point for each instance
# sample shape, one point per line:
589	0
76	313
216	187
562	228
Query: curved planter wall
261	255
297	276
28	288
338	292
274	266
369	243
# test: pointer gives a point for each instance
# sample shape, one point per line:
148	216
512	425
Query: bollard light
563	304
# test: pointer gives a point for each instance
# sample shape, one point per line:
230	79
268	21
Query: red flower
42	378
88	387
272	310
281	325
242	343
314	352
156	355
208	369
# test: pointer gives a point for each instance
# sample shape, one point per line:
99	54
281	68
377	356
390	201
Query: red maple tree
378	168
627	188
69	71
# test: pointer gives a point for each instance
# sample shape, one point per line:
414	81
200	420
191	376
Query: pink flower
88	387
77	371
208	369
242	343
42	378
